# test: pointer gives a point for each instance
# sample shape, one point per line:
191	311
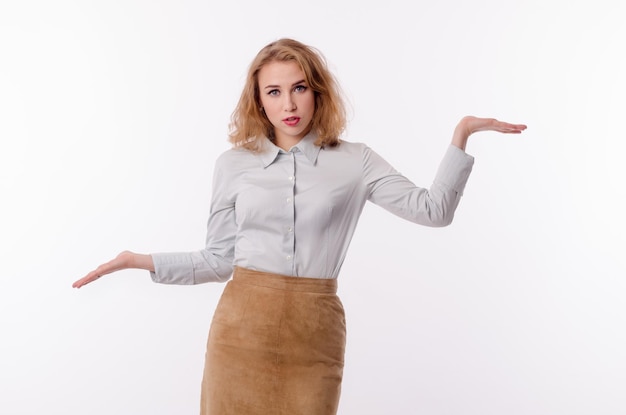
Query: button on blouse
295	212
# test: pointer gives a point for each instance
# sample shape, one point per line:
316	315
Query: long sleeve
397	194
215	261
295	212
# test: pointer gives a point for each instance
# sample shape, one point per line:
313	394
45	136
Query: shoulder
370	162
359	150
235	157
233	154
349	148
234	162
350	155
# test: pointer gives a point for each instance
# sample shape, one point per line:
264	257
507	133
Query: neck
286	143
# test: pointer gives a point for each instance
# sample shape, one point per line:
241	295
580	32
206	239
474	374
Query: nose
289	104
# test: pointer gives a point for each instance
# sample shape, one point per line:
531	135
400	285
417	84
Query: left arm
434	206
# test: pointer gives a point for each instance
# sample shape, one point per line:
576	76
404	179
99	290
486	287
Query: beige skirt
276	347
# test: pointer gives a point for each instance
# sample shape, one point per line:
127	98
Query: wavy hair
249	122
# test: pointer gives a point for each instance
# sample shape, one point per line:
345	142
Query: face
287	100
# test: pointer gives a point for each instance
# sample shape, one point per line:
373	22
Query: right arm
470	125
213	263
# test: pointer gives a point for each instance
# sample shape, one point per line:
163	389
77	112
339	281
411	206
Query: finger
516	127
508	128
103	269
512	130
511	125
91	277
476	124
115	264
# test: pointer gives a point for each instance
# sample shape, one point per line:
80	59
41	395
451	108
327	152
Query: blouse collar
306	145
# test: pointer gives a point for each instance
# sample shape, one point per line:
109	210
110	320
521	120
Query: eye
300	88
273	92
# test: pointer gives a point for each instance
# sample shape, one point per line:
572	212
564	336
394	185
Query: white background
113	112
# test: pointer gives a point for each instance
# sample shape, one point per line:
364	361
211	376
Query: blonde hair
249	123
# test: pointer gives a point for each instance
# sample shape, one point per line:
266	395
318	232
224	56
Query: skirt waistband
284	282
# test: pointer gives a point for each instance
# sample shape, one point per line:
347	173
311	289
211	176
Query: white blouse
295	212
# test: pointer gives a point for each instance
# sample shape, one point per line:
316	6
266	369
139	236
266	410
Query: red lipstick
291	121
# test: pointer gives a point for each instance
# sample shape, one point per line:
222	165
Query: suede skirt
276	347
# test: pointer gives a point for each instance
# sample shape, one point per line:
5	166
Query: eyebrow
294	84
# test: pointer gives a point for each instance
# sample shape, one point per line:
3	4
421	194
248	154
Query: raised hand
470	125
124	260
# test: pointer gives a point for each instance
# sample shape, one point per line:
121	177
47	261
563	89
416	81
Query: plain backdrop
113	112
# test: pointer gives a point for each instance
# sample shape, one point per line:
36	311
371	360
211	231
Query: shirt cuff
455	169
173	268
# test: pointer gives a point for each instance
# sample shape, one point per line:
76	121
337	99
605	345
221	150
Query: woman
286	202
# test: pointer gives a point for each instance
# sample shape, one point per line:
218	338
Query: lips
291	121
